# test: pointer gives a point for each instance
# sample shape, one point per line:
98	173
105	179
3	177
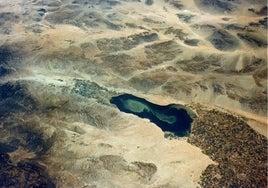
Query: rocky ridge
61	62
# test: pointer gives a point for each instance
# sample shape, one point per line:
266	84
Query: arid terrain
61	61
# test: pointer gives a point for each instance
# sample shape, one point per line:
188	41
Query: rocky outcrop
163	51
216	6
14	98
253	40
61	61
125	43
222	40
24	174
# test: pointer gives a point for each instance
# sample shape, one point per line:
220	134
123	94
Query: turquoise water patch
173	118
135	106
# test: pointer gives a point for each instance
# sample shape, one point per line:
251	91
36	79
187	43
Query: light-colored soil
91	142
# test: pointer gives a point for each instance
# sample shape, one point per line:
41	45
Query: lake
173	118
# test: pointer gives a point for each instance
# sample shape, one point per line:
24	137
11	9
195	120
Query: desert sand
61	61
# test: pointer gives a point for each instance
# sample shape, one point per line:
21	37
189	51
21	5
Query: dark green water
172	118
